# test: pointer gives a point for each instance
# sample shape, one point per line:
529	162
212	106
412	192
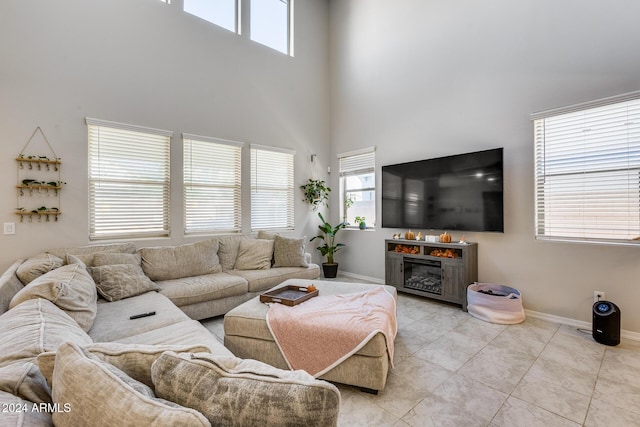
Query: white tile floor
454	370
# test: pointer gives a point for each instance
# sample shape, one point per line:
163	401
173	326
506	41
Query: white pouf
495	303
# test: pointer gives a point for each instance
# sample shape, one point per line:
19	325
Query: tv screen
462	192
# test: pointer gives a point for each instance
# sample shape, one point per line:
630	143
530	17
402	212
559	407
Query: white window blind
212	192
358	185
128	180
587	171
272	197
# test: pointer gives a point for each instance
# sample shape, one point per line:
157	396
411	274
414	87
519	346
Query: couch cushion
33	327
235	392
70	287
254	254
10	285
36	266
191	290
127	247
113	323
289	252
107	396
174	262
228	251
260	280
27	418
23	379
134	360
111	258
120	281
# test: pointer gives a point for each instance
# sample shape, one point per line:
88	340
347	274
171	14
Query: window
358	186
223	13
271	188
211	184
587	171
128	180
272	24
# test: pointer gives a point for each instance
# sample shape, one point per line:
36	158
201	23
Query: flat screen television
462	192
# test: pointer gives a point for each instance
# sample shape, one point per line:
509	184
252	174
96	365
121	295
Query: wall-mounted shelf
39	215
39	183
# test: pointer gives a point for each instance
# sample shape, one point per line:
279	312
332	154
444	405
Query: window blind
128	180
357	185
272	197
587	172
212	184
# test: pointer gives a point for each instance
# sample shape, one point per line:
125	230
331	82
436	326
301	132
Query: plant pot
330	270
362	225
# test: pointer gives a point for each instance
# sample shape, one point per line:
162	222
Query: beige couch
69	357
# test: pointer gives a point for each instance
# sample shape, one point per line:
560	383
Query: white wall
147	63
425	78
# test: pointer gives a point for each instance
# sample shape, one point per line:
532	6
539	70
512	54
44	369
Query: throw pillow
26	418
36	266
23	379
33	327
176	262
135	360
254	254
101	395
69	287
289	252
236	392
119	281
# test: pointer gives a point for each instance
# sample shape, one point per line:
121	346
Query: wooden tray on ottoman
288	295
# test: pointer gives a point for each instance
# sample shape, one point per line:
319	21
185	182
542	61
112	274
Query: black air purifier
606	323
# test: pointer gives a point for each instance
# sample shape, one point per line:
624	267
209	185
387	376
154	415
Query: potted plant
328	235
360	221
348	202
316	193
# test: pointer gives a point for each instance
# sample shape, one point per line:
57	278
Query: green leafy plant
328	235
316	193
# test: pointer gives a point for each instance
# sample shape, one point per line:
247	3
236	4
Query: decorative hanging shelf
43	166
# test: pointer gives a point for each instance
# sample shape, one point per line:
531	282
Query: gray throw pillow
36	266
119	281
289	252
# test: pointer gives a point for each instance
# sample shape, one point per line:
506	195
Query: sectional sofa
70	354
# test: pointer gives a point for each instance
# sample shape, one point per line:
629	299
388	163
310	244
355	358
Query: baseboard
536	314
363	278
577	323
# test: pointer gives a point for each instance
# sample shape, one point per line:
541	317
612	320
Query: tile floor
454	370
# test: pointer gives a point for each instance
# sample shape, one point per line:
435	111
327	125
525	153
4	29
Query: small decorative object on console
410	235
445	238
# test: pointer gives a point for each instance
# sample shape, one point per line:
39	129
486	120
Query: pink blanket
320	333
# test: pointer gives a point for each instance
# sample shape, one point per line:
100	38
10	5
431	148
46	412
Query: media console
440	271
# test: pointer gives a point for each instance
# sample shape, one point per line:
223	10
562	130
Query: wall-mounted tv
462	192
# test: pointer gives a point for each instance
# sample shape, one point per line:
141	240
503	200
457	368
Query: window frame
237	19
233	154
257	212
105	153
357	163
290	28
582	175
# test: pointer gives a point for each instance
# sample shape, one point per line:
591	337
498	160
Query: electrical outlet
598	296
9	228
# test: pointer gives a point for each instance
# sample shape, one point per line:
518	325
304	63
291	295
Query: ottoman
247	335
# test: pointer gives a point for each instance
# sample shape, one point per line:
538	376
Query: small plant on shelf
360	220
